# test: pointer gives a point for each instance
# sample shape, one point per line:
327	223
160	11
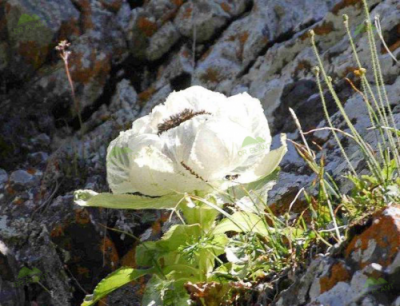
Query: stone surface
127	56
366	272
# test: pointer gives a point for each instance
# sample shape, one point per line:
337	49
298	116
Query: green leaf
362	28
124	201
149	252
31	275
165	292
115	280
179	235
242	222
199	213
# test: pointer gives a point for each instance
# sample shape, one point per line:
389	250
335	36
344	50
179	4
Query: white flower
197	140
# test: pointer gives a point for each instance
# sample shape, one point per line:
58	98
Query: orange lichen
385	232
107	247
324	29
86	13
31	171
337	273
99	68
188	12
177	2
345	3
205	55
226	7
113	6
33	53
147	26
145	96
68	28
57	231
302	65
129	259
211	75
82	216
243	37
10	190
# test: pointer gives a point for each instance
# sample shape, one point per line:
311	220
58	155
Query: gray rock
162	41
3	176
200	20
38	158
42	139
21	178
31	26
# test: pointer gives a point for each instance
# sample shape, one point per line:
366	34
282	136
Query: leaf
113	281
362	28
161	292
242	222
152	296
179	235
196	212
149	252
88	198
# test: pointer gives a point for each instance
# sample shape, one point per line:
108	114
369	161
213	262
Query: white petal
215	151
268	163
154	173
118	163
195	98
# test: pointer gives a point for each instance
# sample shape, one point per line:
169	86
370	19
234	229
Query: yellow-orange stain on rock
129	259
337	273
82	216
187	13
345	3
324	29
147	26
177	2
57	231
385	231
226	7
98	68
107	247
33	53
302	65
211	75
145	96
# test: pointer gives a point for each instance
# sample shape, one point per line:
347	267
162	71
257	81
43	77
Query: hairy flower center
176	120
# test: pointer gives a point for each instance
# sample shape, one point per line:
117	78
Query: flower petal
268	163
215	151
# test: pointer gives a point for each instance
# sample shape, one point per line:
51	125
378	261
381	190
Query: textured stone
127	56
30	26
21	178
200	20
351	277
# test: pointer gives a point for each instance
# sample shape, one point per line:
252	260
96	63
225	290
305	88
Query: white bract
198	140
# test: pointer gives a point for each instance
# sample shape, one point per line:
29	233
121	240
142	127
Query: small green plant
381	186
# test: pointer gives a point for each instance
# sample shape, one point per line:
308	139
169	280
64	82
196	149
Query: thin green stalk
374	167
380	82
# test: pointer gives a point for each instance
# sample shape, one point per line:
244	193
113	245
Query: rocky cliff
126	57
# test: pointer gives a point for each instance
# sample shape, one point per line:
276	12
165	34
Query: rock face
366	272
126	57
